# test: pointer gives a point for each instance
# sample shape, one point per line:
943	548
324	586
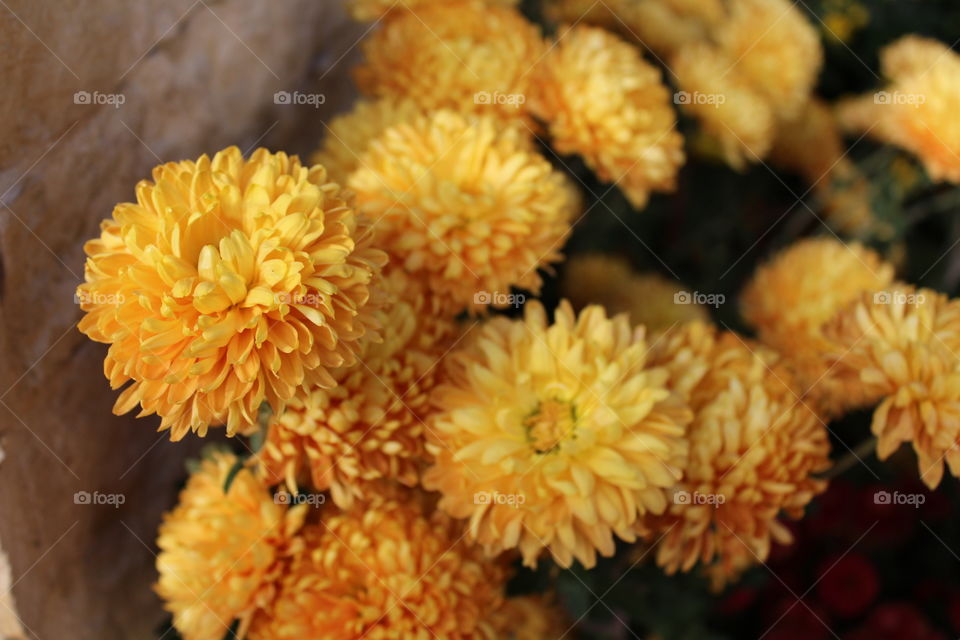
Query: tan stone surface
195	76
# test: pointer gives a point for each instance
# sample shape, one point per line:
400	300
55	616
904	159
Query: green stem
863	450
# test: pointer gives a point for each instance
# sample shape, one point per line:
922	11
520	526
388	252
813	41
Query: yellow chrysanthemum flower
370	426
774	48
790	298
917	110
649	299
554	436
754	448
465	205
371	10
222	554
600	99
731	112
229	282
662	26
532	617
758	66
467	56
349	135
390	569
901	344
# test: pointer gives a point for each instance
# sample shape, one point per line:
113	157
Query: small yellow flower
222	554
600	99
465	205
554	436
370	426
792	296
917	109
754	447
229	282
648	298
901	345
466	56
390	569
349	135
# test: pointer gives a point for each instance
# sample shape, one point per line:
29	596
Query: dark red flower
848	585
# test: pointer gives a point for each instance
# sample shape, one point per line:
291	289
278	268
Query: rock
163	80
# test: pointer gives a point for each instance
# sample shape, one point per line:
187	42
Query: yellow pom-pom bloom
349	135
775	49
649	299
662	26
465	205
730	110
554	436
758	66
792	296
229	282
754	448
466	56
390	569
370	425
222	555
371	10
901	345
600	99
917	110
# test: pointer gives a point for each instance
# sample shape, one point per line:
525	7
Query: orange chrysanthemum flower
554	436
371	10
917	110
222	553
901	344
390	569
600	99
349	135
229	282
789	299
370	426
466	56
649	299
465	205
532	617
754	448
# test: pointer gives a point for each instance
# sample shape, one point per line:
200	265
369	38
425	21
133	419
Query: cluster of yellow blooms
341	310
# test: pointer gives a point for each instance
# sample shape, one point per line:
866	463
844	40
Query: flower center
549	424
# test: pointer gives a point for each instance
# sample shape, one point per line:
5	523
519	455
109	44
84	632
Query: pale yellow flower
792	296
601	100
754	452
466	206
554	436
